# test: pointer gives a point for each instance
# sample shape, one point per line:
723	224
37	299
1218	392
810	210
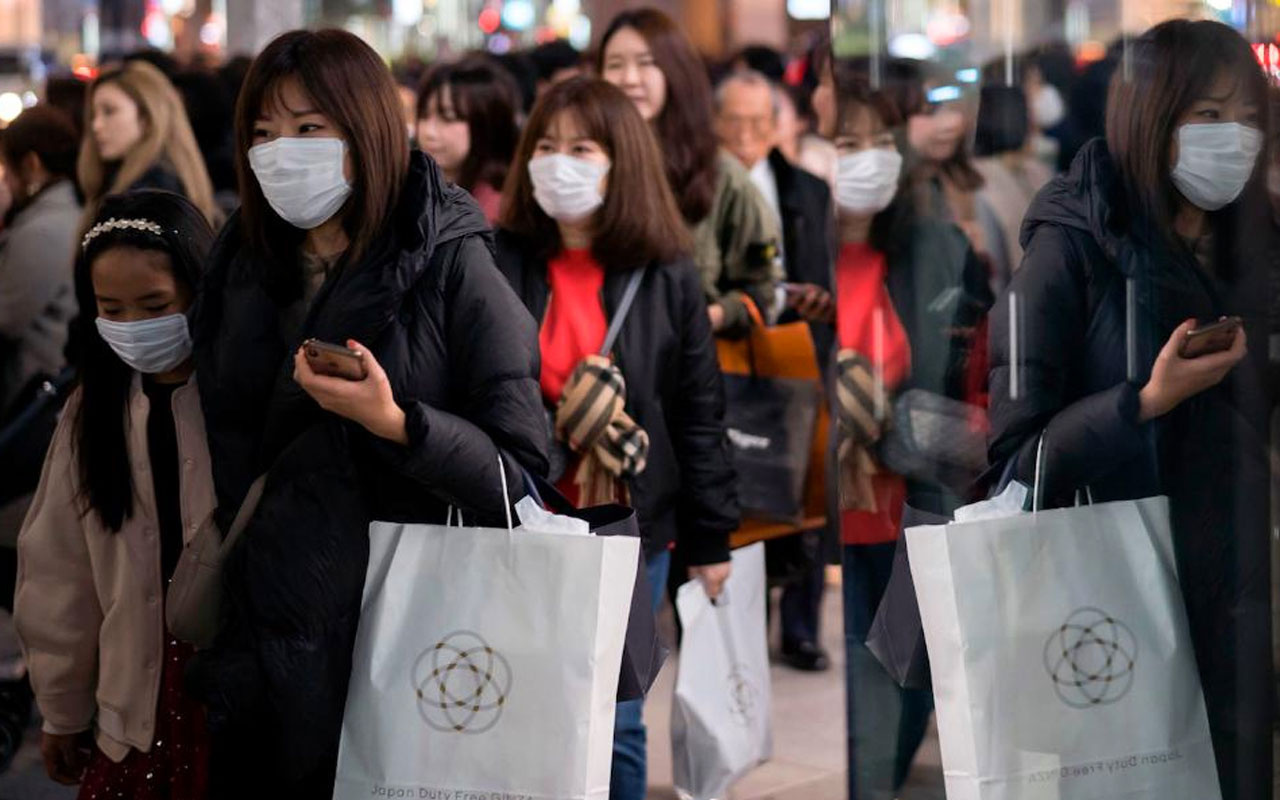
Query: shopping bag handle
1037	487
506	500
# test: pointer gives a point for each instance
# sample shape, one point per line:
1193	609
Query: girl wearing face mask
467	123
137	136
1151	233
735	241
910	296
126	482
37	298
345	236
588	223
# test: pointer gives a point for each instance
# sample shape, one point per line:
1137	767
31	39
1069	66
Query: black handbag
935	439
643	653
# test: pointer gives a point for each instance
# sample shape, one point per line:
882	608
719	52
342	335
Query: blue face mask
151	345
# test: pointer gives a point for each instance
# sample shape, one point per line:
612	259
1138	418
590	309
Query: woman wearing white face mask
347	237
1147	237
126	481
589	222
911	297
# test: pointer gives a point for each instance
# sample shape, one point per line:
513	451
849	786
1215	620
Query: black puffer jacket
1082	359
461	354
675	392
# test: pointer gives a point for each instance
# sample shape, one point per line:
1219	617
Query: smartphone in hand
1212	338
334	360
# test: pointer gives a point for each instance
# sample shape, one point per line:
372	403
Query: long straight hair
487	98
639	221
1171	67
348	83
684	126
100	438
167	140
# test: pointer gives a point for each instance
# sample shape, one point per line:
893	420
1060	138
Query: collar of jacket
784	174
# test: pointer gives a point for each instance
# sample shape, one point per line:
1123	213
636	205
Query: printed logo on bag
461	684
742	697
1091	659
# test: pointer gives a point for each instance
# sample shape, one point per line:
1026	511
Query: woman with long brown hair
467	123
137	136
645	54
1161	227
347	237
589	222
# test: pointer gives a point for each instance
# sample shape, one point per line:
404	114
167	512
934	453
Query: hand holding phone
1212	338
334	360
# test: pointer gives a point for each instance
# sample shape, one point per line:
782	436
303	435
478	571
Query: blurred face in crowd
746	122
444	134
291	113
629	65
117	123
565	136
936	134
862	129
789	127
131	285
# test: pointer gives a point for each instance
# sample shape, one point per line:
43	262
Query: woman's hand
811	302
368	402
712	576
1174	378
66	757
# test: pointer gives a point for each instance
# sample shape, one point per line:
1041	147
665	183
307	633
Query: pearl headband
114	224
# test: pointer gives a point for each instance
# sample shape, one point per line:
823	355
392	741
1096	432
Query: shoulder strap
624	307
243	516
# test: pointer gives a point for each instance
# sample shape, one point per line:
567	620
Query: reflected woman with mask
592	238
347	237
1157	229
910	296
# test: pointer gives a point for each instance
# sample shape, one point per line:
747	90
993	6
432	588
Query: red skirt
177	767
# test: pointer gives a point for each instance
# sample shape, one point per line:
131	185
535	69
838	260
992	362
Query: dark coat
461	355
804	201
1083	359
666	352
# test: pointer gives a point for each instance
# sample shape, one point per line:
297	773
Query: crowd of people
471	229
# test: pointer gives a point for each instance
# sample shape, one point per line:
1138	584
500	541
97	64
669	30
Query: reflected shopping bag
1061	660
486	664
721	724
773	390
896	637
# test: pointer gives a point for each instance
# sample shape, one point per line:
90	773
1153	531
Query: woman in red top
909	296
589	219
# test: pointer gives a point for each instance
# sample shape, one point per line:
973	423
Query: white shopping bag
486	664
1062	664
721	724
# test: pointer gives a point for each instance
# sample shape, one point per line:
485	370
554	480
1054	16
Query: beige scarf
591	419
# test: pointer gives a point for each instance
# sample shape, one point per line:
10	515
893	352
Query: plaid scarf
592	420
860	428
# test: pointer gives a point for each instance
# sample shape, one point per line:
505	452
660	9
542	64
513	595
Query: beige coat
89	603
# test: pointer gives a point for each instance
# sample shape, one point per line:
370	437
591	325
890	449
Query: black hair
1003	121
551	57
763	59
100	440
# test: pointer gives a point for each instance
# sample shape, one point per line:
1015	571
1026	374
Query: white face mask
866	181
567	188
1215	161
1047	107
150	345
302	179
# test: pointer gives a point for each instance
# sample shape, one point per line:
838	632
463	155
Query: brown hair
47	132
684	126
486	97
350	85
166	138
1173	65
639	221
